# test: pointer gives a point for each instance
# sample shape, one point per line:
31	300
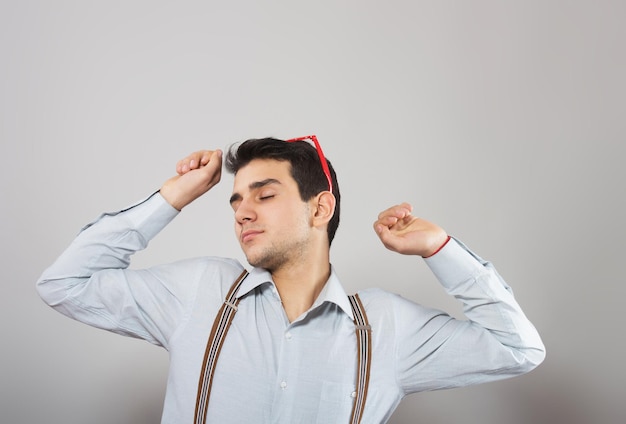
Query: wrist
437	249
170	197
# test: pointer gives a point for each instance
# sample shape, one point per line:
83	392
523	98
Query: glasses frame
320	154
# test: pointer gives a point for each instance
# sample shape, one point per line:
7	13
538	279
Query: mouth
248	235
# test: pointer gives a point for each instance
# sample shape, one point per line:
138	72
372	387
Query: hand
407	234
197	174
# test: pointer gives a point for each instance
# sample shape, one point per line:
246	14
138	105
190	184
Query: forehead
260	170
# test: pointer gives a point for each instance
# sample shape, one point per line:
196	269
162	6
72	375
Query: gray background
501	121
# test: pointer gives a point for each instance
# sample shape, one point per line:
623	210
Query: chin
258	263
269	263
254	260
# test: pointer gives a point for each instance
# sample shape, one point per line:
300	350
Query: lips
249	235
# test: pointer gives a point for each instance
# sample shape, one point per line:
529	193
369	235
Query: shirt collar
332	292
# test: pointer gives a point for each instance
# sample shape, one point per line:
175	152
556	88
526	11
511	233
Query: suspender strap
364	342
218	333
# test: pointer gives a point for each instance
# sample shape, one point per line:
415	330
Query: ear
323	208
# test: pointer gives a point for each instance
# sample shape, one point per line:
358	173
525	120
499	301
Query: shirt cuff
147	217
454	264
150	216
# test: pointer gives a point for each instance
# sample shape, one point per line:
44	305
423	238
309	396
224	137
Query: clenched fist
196	174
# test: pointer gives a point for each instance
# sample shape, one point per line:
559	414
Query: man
290	354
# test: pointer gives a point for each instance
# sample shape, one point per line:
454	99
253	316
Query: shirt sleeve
91	282
435	351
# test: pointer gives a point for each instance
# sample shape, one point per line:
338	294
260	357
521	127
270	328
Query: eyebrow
254	186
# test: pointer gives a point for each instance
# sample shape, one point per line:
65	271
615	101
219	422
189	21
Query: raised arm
436	351
91	281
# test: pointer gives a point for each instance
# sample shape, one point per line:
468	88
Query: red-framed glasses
320	154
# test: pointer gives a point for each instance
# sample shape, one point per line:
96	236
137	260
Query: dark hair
306	168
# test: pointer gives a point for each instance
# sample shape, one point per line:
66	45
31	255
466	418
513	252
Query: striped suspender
218	333
364	341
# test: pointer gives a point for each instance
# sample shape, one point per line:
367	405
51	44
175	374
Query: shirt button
288	335
353	394
283	385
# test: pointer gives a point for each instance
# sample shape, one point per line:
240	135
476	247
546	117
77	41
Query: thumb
213	168
384	234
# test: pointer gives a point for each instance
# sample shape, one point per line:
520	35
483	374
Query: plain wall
501	121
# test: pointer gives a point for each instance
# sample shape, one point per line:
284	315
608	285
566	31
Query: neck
300	284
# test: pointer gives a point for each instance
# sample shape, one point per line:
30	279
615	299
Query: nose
244	212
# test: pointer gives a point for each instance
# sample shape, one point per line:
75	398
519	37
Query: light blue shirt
274	371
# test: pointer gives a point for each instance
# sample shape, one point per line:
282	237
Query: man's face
272	222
